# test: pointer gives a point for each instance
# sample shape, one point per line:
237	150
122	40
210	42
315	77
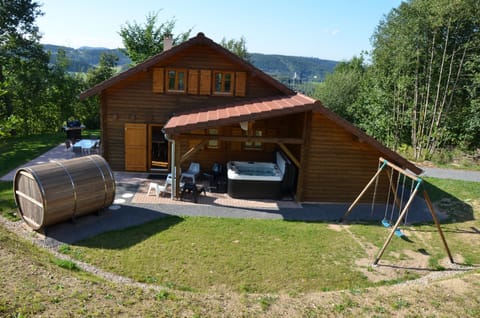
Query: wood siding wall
338	166
133	100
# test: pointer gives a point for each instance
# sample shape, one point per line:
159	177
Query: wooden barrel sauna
51	193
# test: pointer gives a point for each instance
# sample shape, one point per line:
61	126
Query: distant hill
281	67
285	68
84	58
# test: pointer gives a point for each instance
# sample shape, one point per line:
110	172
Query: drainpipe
173	170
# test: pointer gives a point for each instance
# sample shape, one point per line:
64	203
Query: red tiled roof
238	112
272	107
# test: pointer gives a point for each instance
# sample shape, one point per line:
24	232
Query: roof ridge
200	38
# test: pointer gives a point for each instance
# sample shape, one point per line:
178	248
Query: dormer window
176	80
223	83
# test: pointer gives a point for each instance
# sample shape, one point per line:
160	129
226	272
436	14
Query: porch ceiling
260	108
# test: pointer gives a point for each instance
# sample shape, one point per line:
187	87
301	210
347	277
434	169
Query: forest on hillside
281	67
417	91
83	59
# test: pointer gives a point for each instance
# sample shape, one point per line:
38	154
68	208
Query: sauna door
136	147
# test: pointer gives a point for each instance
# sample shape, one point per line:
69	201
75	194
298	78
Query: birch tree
419	56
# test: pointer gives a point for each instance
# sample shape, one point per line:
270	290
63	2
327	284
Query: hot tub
254	180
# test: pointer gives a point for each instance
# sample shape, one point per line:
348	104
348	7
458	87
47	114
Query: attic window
176	80
224	82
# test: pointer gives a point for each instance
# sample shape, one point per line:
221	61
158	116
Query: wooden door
136	147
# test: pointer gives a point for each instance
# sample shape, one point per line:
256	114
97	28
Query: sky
334	30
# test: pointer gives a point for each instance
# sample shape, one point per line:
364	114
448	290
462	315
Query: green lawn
196	253
199	254
35	283
15	151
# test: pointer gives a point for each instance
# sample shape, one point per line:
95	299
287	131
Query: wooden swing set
415	183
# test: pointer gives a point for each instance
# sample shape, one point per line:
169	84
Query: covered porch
250	131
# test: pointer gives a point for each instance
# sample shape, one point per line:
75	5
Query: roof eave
199	39
235	120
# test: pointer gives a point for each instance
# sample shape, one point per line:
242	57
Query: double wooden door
145	147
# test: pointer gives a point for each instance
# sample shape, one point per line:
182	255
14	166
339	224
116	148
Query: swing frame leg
363	191
397	224
437	224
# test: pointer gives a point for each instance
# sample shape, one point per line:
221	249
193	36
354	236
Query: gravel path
466	175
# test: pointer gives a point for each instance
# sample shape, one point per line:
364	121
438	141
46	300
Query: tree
23	68
88	110
238	47
419	57
104	70
63	89
144	41
18	42
340	89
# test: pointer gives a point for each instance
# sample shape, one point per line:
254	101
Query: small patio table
86	145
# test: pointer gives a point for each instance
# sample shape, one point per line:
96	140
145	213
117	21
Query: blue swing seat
398	232
386	223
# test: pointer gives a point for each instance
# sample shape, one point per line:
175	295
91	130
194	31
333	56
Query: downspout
173	171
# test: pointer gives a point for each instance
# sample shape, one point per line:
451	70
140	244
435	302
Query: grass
8	208
16	151
246	255
32	285
223	267
272	256
447	188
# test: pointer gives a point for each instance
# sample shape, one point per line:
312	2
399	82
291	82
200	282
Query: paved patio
133	206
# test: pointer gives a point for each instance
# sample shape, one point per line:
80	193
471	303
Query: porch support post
307	127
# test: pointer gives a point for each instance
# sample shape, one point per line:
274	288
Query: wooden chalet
199	102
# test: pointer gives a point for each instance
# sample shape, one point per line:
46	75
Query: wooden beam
375	176
193	150
273	140
307	128
403	171
437	224
290	155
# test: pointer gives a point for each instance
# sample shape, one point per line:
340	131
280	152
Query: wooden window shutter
192	87
205	82
158	80
240	83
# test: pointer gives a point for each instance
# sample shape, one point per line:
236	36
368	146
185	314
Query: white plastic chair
192	172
